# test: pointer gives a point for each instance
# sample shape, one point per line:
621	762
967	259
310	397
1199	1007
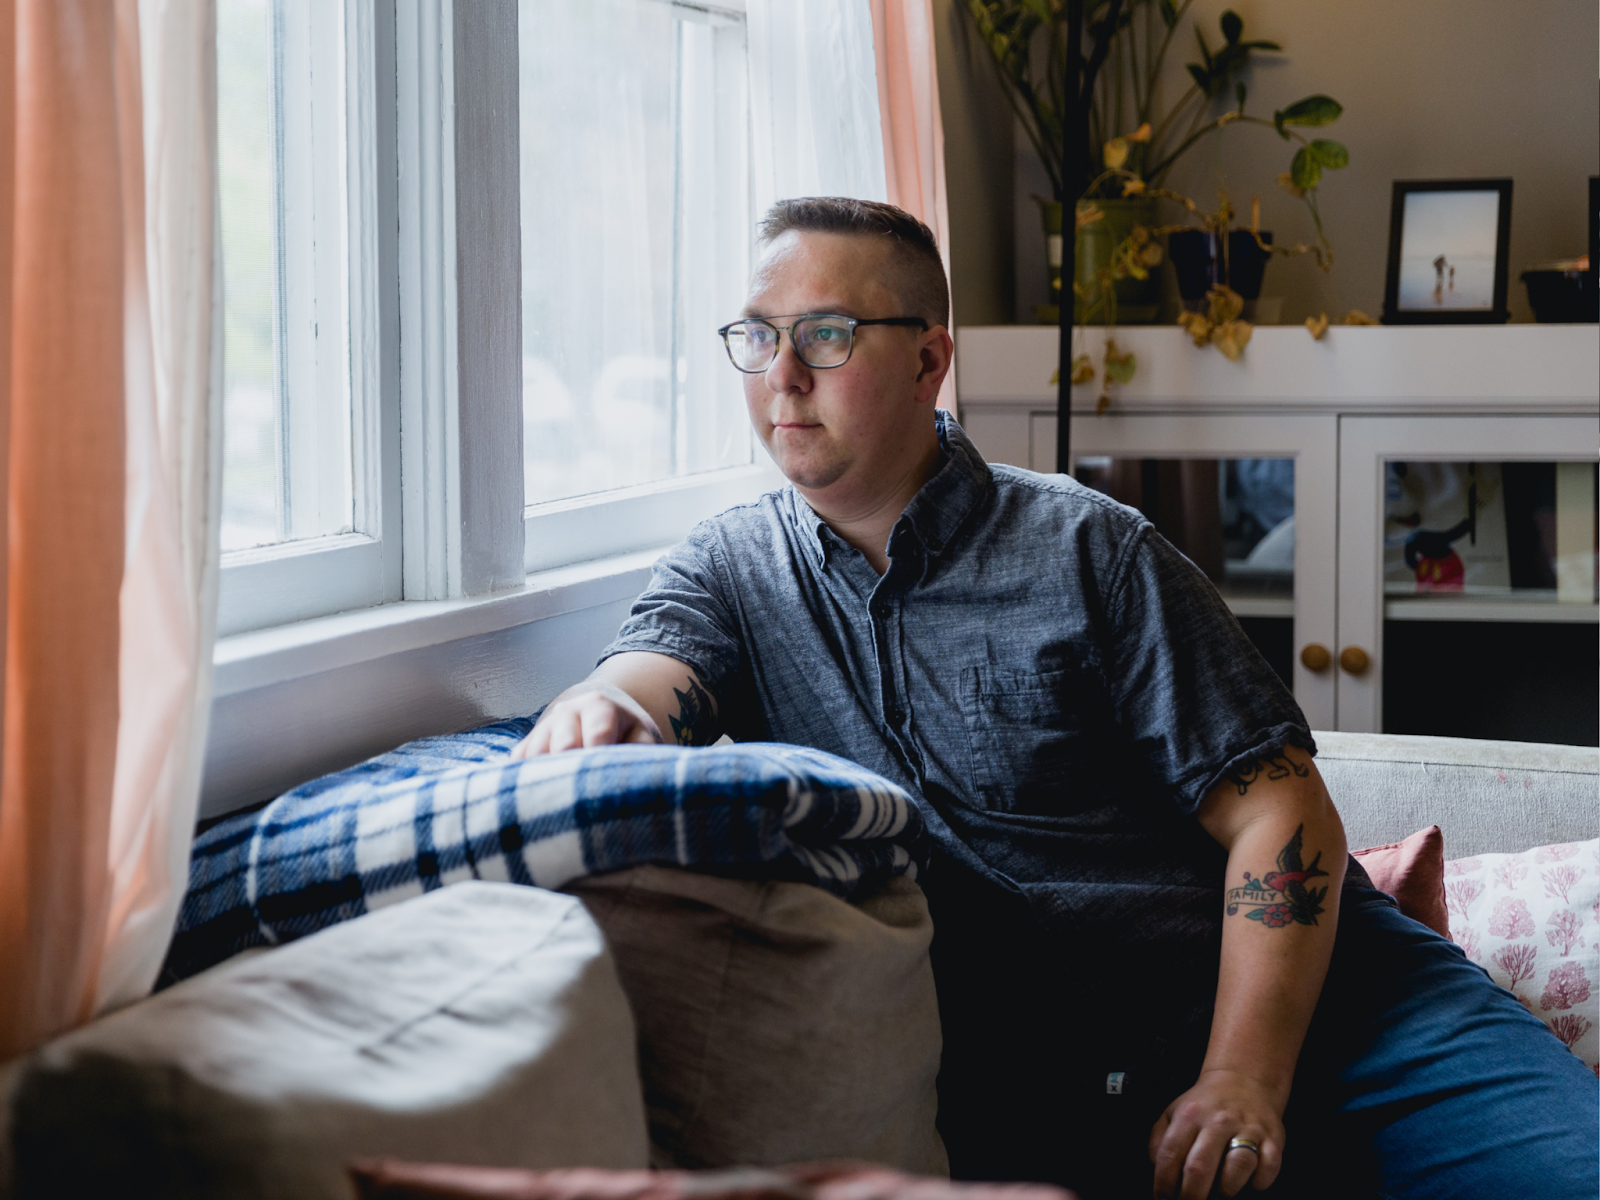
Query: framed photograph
1449	246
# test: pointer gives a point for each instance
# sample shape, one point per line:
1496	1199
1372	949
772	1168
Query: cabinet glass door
1250	501
1468	592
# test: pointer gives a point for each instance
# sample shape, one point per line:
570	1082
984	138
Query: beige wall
978	171
1431	89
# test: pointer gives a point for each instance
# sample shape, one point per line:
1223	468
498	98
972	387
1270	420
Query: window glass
635	240
281	163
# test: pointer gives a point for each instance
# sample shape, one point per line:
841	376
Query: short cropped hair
919	280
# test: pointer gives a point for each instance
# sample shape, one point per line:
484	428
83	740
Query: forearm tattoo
1281	897
693	724
1269	766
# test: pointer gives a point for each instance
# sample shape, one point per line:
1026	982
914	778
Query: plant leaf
1115	153
1169	14
1232	25
1317	326
1082	369
1224	303
1331	155
1205	50
1119	366
1304	171
1200	76
1231	337
1313	110
1287	183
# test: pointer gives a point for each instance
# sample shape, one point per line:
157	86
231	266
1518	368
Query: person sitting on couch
1139	881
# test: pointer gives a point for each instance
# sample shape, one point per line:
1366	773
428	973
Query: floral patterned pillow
1532	920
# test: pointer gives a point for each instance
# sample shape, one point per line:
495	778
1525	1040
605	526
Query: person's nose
787	373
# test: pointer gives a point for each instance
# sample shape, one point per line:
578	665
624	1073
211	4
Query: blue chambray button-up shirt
1056	685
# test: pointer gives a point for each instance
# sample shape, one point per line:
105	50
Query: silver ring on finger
1244	1143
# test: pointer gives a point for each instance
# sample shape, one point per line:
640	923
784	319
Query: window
636	234
622	292
371	194
301	523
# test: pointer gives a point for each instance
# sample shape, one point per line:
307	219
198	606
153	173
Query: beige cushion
481	1023
1487	797
777	1023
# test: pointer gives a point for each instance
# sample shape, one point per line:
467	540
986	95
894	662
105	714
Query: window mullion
460	307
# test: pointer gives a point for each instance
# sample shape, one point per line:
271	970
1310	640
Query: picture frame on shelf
1449	252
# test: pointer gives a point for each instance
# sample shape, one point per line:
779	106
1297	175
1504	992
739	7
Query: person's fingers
1266	1172
566	730
523	749
1239	1165
1171	1154
644	734
1200	1165
1158	1132
604	723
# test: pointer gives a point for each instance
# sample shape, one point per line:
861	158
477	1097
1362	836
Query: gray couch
487	1023
1487	797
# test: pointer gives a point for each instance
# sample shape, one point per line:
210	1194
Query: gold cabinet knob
1316	657
1354	660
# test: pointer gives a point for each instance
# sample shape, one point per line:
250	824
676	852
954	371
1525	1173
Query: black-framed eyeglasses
820	340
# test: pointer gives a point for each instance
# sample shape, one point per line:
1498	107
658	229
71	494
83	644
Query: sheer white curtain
169	586
816	130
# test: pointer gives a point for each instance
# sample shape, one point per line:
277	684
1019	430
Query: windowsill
263	657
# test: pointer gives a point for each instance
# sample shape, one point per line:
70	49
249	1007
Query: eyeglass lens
818	341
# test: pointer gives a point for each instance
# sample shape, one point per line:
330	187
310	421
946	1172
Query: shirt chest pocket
1031	740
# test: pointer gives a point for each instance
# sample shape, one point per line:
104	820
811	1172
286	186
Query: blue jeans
1422	1078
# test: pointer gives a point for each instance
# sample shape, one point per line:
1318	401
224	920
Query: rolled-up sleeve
1187	686
685	614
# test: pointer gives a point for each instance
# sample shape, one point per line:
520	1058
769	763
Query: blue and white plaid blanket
445	809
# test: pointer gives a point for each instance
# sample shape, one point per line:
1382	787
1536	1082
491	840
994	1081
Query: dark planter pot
1198	258
1559	296
1138	301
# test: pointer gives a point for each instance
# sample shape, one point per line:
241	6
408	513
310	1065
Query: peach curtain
913	130
111	497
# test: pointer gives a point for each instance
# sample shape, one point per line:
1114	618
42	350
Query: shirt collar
945	501
935	513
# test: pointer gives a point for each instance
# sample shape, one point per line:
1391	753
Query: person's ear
935	354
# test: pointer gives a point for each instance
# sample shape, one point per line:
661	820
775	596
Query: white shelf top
1260	606
1472	608
1544	368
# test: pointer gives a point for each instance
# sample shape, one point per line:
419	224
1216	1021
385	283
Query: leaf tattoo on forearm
693	723
1281	897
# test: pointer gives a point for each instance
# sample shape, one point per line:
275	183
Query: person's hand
1190	1141
589	715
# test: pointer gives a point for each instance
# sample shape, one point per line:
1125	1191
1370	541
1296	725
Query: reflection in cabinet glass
1233	518
1518	532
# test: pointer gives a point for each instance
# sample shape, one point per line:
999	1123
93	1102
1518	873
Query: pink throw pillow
1532	920
1412	871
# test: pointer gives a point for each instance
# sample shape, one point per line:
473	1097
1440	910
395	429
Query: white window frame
580	528
313	576
432	319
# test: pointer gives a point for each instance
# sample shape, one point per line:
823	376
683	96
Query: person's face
848	425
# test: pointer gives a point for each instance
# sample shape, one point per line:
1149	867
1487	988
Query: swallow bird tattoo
1281	897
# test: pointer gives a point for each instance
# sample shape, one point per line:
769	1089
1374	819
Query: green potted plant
1125	137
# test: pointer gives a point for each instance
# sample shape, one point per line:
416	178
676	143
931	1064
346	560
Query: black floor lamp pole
1071	186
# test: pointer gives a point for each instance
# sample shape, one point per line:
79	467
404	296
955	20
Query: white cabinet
1343	409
